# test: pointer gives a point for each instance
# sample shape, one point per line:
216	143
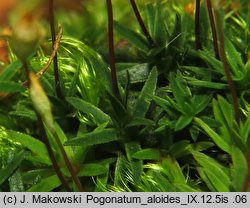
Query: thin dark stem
45	138
51	154
247	180
111	49
141	23
44	69
68	163
197	25
226	67
212	23
53	36
50	151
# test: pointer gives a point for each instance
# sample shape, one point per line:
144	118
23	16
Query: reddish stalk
51	154
212	23
45	138
44	69
197	25
68	163
111	49
141	23
223	58
53	36
50	151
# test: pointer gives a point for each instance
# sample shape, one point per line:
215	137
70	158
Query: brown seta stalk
55	62
197	25
141	23
111	49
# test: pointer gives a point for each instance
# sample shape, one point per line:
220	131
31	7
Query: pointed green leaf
46	185
194	132
10	71
136	165
120	168
143	101
162	181
140	122
156	25
80	152
207	84
147	154
163	103
102	181
205	26
212	61
159	33
155	51
239	168
53	143
89	109
92	169
95	63
63	138
219	141
73	84
200	102
234	58
24	113
200	71
177	30
94	138
11	87
131	36
207	180
120	112
217	183
34	145
227	110
221	116
137	73
172	169
38	159
201	146
180	89
182	122
33	176
150	14
218	174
